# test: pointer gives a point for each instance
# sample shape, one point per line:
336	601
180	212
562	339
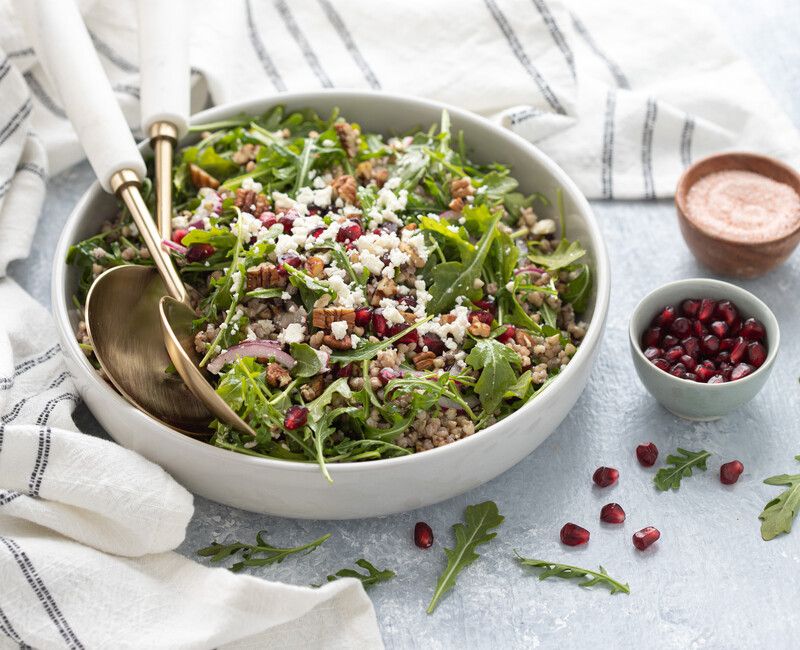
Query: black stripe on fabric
8	629
11	415
14	123
5	66
516	48
647	148
40	465
28	51
686	141
40	94
523	115
556	33
302	43
4	187
32	363
107	51
127	89
616	72
607	170
2	432
261	52
42	593
338	24
58	380
6	383
48	409
7	496
33	168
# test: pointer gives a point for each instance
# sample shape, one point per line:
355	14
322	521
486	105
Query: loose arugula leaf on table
566	253
495	361
681	466
453	279
262	553
478	521
568	572
372	576
779	513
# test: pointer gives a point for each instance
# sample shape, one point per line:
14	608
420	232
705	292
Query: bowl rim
772	350
602	273
682	192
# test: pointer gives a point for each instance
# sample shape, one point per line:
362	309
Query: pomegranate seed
508	335
741	370
704	374
268	219
379	324
738	350
291	259
729	473
347	370
649	353
666	317
709	344
408	301
317	232
753	329
735	327
651	338
647	454
410	337
423	535
433	343
387	374
698	329
199	252
716	379
690	307
708	363
674	353
723	357
727	311
179	234
574	535
689	362
487	303
756	354
669	341
681	327
720	328
689	376
645	537
287	221
661	364
482	316
350	231
363	316
612	513
692	346
678	370
707	307
296	417
726	345
605	476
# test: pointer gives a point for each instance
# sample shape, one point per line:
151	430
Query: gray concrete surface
710	582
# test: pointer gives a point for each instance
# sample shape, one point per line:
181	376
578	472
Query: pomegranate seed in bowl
574	535
645	537
647	454
729	473
605	476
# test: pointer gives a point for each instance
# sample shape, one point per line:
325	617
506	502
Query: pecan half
314	266
201	178
264	276
409	250
338	344
461	188
345	188
247	153
424	360
313	388
323	318
456	205
480	329
251	201
348	137
277	375
523	338
386	288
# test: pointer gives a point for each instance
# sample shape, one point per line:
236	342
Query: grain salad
360	296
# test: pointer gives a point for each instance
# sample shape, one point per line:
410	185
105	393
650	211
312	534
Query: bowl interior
388	114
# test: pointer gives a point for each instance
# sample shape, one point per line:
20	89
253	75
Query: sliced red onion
168	243
528	269
197	225
450	215
256	349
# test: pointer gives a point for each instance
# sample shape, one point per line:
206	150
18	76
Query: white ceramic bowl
359	489
688	399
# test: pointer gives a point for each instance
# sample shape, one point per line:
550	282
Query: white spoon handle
66	52
164	63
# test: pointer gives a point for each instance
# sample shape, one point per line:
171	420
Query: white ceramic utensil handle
65	50
164	63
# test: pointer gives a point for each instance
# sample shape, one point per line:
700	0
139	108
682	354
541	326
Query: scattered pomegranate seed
645	537
647	454
487	303
347	370
350	231
652	337
296	417
574	535
666	317
481	315
199	252
727	311
363	316
291	259
690	307
612	513
379	325
433	343
387	374
268	219
317	232
756	354
706	310
753	329
508	335
408	301
729	473
681	327
287	221
741	370
179	234
423	535
408	338
605	476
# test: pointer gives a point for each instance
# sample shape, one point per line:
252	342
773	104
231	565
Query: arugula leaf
311	289
219	238
265	293
566	253
778	514
670	477
369	350
567	572
478	521
262	553
308	361
578	290
453	279
372	576
320	419
549	315
457	237
498	184
497	376
503	257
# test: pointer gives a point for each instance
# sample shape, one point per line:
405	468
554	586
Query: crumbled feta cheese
292	333
285	244
477	283
544	227
510	286
250	184
282	201
339	329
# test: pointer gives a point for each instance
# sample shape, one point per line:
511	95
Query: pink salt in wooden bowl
736	223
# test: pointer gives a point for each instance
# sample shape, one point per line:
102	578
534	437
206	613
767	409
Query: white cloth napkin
86	528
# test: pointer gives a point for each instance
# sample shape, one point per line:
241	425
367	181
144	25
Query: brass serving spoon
127	330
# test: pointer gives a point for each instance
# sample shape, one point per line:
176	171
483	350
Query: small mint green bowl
689	399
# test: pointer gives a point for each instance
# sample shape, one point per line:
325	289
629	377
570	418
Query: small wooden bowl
728	257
